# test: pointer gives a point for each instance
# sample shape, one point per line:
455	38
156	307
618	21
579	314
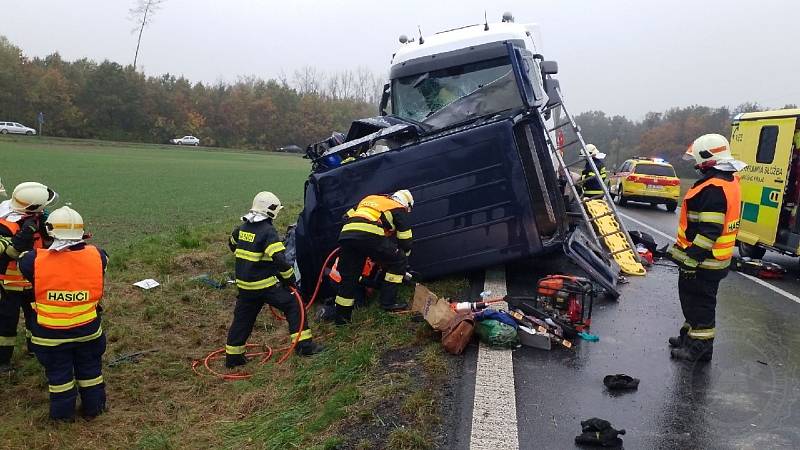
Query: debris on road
436	311
495	333
758	268
148	283
599	433
620	382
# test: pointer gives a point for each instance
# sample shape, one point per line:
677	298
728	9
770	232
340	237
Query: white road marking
494	410
788	295
775	289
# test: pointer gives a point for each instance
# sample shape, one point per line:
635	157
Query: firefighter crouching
706	237
591	185
260	263
66	334
21	224
376	228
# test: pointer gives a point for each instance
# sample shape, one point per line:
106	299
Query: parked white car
186	140
15	128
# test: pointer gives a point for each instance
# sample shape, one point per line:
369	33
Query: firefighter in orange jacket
706	237
66	335
21	222
376	228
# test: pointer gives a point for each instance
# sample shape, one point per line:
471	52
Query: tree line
106	100
666	135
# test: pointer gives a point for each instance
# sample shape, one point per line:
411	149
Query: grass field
162	212
126	191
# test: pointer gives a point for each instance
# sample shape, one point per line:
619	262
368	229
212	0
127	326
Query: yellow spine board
627	261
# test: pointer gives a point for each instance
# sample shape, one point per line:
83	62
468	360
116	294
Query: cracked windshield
461	92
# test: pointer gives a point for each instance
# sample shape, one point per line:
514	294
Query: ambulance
768	142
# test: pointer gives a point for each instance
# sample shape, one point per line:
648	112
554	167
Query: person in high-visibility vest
21	225
589	182
261	269
704	246
376	228
66	334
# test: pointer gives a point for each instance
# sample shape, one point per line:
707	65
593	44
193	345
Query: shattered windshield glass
452	95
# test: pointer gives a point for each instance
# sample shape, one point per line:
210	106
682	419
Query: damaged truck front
462	129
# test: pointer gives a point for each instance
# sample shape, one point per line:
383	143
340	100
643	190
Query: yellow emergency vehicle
647	180
768	142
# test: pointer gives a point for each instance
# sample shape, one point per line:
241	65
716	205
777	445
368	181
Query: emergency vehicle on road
768	142
647	180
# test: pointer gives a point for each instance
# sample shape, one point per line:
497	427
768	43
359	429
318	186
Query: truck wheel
672	206
750	251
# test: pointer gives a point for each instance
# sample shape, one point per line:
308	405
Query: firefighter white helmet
65	223
404	197
592	151
266	203
713	150
31	197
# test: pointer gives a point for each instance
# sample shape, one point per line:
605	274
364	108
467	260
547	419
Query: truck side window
767	140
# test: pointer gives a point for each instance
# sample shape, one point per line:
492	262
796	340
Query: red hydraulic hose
266	355
321	276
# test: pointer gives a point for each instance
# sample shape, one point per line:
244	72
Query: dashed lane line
775	289
494	410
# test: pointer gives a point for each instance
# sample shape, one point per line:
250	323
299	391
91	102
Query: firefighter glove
23	239
290	283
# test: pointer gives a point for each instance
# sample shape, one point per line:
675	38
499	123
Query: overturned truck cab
462	129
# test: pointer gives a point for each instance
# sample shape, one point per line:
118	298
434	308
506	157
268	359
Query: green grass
161	211
127	191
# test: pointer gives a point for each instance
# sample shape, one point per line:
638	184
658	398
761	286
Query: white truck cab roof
469	36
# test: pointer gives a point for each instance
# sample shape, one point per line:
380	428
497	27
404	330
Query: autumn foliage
86	99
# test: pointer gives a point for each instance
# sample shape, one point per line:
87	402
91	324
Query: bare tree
142	15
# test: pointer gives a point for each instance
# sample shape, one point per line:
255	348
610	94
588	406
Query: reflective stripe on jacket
68	285
377	215
11	277
259	256
721	248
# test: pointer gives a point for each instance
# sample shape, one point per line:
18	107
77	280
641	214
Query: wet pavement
748	397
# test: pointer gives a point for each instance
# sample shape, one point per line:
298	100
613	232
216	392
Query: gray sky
623	57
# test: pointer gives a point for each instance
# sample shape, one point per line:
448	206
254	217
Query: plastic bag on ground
497	334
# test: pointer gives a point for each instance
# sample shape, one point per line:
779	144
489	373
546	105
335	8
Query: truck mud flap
598	266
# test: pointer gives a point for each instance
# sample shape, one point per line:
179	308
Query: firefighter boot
344	314
308	348
389	298
694	350
232	361
679	340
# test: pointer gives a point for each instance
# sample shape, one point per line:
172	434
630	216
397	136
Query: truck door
766	146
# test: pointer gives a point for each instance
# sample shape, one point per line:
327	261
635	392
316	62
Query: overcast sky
623	57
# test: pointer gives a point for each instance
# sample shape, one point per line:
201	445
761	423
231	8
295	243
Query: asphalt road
747	397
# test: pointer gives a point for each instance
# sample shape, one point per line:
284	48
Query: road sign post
40	119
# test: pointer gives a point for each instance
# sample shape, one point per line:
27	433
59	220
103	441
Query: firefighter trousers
10	304
353	255
248	305
74	368
698	296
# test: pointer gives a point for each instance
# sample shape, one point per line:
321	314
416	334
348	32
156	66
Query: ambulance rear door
765	144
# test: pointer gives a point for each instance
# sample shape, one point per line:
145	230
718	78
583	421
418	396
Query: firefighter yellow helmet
713	150
31	197
404	197
266	203
65	223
